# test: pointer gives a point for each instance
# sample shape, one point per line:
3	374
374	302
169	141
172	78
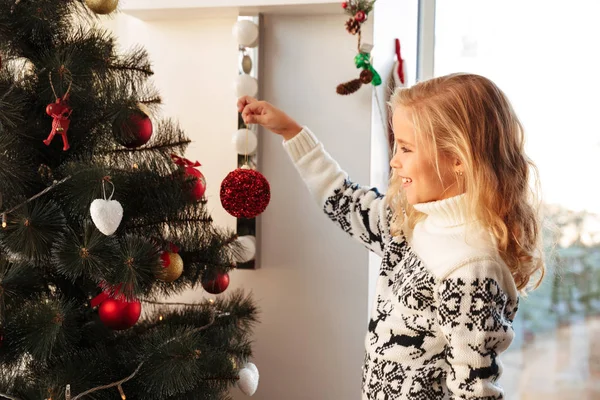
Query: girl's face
416	166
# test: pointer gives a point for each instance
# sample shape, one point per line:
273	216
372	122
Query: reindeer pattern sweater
445	301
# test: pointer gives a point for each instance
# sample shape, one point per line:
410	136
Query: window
545	56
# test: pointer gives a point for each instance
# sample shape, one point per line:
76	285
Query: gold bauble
174	270
102	6
247	64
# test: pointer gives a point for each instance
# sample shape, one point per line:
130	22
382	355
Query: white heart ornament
107	215
248	382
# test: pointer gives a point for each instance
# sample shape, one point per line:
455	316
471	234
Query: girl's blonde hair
467	117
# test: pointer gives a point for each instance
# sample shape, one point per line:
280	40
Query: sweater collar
445	213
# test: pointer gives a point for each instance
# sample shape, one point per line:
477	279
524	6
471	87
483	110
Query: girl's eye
404	149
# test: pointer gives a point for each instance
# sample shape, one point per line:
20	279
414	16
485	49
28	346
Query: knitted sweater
445	300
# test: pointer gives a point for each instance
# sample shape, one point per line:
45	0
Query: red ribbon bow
184	161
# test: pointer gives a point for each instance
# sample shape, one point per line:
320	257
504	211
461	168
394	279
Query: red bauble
189	168
245	193
216	284
200	186
119	314
133	131
360	16
345	5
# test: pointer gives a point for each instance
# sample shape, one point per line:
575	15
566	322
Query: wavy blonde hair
467	117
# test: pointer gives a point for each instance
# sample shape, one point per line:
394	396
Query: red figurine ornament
60	113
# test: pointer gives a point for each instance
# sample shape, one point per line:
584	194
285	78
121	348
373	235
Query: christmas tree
102	219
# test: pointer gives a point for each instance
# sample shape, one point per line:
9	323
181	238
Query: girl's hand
265	114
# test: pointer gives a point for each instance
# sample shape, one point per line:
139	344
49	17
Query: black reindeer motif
372	236
403	340
384	310
487	349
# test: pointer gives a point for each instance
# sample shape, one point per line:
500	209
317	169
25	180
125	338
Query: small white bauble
246	33
247	248
245	85
106	215
248	382
245	141
102	6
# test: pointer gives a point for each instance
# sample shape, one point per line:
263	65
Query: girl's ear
458	166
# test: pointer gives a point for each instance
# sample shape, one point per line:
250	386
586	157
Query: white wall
195	62
312	285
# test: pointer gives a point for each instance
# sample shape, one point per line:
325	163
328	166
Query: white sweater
445	300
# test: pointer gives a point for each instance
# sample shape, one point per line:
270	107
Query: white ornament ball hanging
246	33
248	382
245	141
246	249
246	85
102	6
106	215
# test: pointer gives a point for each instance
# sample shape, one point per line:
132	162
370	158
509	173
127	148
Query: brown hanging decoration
353	26
350	87
359	13
366	76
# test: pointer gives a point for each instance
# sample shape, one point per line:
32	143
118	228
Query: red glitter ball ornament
245	193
